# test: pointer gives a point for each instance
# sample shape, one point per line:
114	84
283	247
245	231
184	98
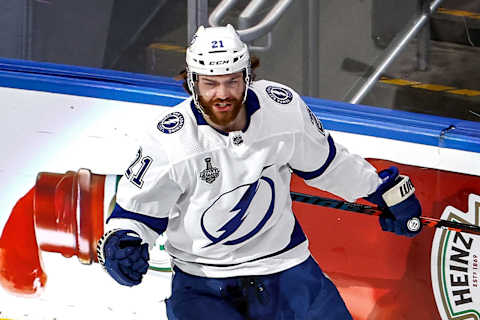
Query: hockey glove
396	197
123	255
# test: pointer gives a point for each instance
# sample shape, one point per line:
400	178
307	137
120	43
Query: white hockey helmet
216	51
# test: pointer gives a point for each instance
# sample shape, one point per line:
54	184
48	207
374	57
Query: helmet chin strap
191	85
247	84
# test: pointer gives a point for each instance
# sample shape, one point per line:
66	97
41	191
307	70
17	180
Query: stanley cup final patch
280	95
210	173
171	123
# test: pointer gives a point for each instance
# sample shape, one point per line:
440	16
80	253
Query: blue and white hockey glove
396	196
123	255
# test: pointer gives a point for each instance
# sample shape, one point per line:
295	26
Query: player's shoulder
171	126
171	121
278	99
275	93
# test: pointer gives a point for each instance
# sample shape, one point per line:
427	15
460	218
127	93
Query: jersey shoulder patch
171	123
279	94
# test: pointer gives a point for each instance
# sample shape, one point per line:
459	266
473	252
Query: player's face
221	96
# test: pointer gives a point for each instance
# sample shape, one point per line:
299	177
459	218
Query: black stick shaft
375	211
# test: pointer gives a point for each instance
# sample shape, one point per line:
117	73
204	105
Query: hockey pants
299	293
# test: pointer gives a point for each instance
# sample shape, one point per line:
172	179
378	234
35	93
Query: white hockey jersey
227	195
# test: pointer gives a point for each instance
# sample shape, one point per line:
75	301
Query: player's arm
327	165
145	195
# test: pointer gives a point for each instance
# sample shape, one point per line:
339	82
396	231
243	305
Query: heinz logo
455	267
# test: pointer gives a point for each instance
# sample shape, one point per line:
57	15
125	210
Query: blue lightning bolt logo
242	207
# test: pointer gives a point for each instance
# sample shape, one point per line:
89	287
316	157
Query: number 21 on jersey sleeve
137	178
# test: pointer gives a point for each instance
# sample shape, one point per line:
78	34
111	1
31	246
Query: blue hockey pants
299	293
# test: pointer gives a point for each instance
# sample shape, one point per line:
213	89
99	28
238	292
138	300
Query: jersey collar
252	104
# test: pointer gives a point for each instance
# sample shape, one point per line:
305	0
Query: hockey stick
375	211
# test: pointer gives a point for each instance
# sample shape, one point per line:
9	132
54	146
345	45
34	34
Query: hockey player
213	173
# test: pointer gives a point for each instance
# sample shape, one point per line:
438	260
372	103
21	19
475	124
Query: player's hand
396	196
123	255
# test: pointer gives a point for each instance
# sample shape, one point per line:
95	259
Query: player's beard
221	118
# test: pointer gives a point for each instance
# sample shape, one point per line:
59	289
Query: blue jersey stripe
159	225
297	237
308	175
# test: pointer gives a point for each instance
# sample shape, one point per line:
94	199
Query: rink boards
58	118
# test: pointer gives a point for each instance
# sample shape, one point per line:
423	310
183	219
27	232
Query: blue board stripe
156	90
398	125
